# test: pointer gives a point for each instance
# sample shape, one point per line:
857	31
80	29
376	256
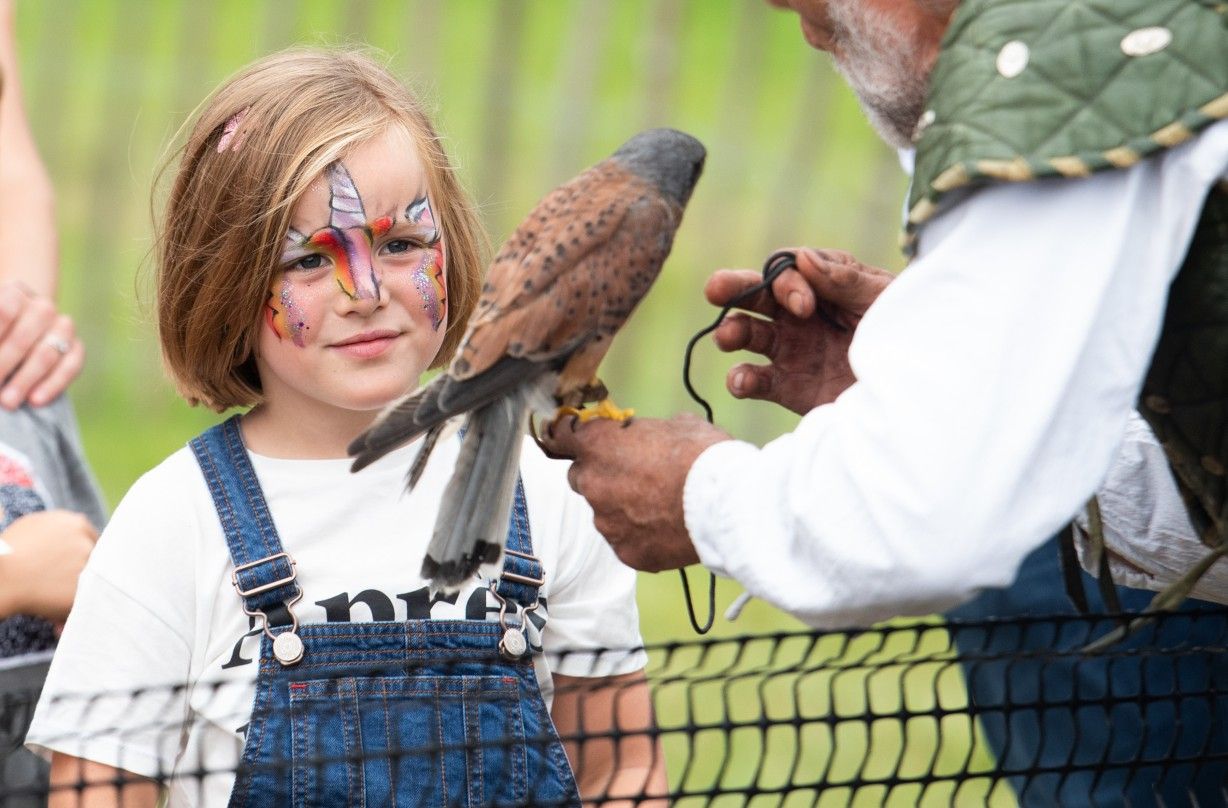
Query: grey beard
883	66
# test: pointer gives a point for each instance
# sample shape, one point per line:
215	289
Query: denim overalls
426	712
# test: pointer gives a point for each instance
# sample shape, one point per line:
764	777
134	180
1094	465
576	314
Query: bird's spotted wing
586	253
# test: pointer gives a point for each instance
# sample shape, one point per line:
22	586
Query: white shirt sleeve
995	377
115	691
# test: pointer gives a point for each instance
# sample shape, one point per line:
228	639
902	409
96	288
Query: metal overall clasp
514	644
287	645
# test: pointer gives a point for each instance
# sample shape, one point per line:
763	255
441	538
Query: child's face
358	308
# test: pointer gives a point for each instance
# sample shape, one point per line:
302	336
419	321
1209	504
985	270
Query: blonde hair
220	237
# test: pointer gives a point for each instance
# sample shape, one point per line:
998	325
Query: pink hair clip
228	132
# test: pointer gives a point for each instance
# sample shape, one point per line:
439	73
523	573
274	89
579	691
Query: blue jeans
1120	728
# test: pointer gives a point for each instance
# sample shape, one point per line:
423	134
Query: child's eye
314	261
399	245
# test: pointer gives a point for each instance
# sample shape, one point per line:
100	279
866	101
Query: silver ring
59	343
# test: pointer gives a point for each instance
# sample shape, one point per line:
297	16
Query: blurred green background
527	93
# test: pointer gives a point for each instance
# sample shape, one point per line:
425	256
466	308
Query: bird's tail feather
430	406
473	513
424	454
395	427
461	395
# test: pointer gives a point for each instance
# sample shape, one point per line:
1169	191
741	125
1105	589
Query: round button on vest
1013	58
1146	41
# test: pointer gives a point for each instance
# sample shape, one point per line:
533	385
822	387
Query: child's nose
363	282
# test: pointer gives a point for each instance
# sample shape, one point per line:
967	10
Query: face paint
346	241
419	212
285	317
428	280
429	276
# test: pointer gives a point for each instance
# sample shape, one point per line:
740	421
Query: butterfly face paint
346	241
429	276
348	245
284	316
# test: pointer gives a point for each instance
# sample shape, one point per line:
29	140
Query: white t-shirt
155	608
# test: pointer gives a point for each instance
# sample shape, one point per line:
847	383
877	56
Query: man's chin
893	103
890	127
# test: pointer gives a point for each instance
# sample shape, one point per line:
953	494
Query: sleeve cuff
708	510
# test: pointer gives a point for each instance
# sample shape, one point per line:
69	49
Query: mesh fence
912	713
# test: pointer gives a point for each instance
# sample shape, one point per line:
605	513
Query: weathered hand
39	576
39	350
808	356
632	475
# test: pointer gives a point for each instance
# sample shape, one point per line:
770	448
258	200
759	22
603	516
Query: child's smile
358	308
368	344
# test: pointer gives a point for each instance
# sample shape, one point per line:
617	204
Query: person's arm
994	378
27	218
39	350
45	555
607	729
77	783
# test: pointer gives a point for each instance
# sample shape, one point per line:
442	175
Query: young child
316	256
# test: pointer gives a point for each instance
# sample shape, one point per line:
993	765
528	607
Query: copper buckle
256	590
523	579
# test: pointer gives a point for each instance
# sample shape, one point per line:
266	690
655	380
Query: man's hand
808	355
39	576
39	350
633	475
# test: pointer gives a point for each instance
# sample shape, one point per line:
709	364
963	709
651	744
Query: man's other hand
805	327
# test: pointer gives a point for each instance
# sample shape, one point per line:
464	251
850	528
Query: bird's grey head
671	159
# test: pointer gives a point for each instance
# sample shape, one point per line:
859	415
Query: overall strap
263	572
522	573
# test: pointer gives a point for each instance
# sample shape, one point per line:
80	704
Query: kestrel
555	295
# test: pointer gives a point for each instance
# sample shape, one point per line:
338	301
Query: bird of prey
556	293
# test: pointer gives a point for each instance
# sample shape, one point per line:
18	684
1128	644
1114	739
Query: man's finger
841	280
793	293
571	438
749	381
741	332
726	284
573	477
559	437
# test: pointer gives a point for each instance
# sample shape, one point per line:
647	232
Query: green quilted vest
1029	89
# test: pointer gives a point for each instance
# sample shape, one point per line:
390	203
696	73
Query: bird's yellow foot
605	408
